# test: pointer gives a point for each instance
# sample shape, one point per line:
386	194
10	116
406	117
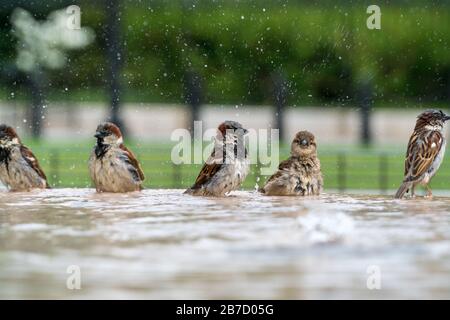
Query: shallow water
163	244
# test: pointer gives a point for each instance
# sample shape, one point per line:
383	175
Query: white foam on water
322	227
28	227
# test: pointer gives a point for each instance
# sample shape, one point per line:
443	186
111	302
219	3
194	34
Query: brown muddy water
163	244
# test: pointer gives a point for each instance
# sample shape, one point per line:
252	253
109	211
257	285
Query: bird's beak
241	130
98	135
446	118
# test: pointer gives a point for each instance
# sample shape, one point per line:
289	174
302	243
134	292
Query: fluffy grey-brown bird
426	148
299	175
228	165
113	167
19	168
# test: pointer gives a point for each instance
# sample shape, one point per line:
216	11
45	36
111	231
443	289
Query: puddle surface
163	244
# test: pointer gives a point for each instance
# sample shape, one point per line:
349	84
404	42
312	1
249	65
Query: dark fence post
114	59
193	96
37	111
384	174
280	95
342	172
364	98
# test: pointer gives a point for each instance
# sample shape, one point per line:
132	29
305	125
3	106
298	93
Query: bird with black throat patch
19	167
112	166
425	152
227	166
300	175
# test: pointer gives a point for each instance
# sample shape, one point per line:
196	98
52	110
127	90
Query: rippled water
162	244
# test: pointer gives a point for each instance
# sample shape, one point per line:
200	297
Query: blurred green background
323	48
355	168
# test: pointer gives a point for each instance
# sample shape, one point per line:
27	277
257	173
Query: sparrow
426	148
299	175
227	166
19	168
112	166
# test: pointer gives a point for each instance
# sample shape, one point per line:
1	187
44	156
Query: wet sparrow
425	152
228	165
113	167
299	175
19	168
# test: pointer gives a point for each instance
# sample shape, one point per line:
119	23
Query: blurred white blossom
43	43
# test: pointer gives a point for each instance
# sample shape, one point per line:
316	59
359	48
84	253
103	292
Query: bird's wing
422	151
209	169
30	158
286	164
133	161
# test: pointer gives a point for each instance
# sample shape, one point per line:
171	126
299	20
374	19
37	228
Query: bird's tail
403	189
193	191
